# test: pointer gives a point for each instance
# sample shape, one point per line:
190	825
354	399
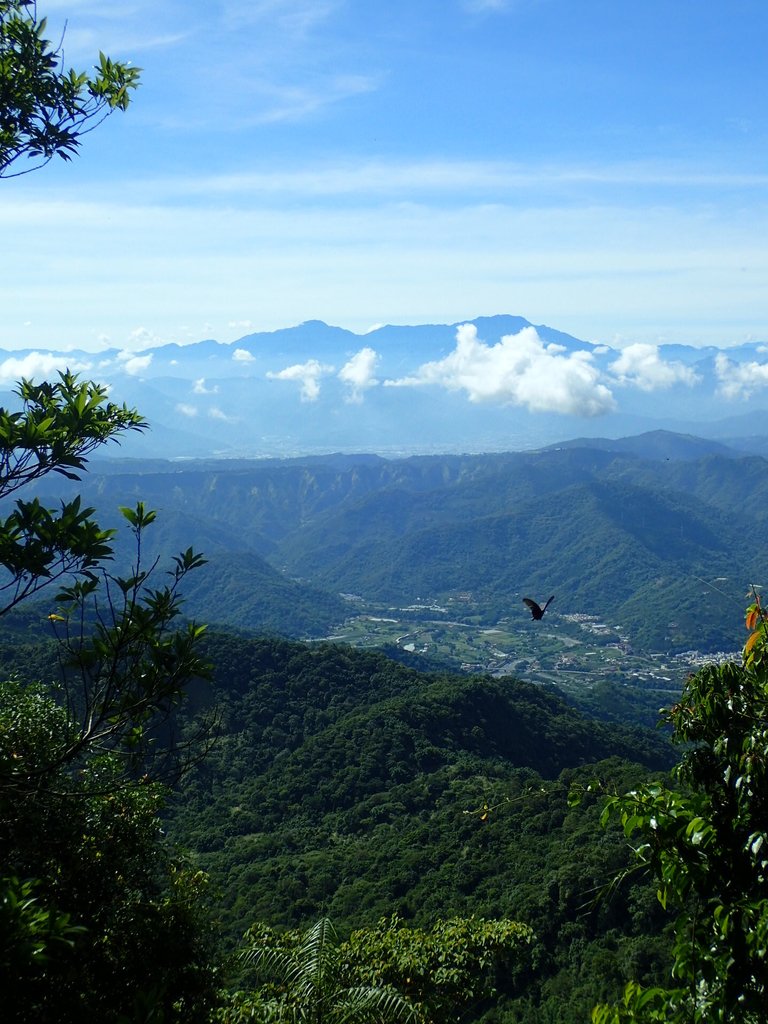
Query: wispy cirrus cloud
580	268
121	29
295	71
487	5
502	177
82	43
519	370
296	101
294	16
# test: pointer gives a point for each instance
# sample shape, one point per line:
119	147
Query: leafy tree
88	888
97	920
704	837
123	665
125	669
310	980
54	430
453	965
100	920
44	107
28	930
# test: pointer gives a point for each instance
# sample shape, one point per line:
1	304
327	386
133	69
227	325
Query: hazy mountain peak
492	383
653	444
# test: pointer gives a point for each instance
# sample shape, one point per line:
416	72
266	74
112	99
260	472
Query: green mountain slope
614	533
245	592
608	547
346	784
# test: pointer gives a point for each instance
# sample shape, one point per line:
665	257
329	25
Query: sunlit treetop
44	107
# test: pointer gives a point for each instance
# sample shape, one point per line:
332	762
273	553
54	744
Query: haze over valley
494	383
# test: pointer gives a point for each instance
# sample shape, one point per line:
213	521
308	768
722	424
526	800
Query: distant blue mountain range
489	384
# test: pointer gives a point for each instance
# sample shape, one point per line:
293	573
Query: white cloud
296	102
218	414
38	366
87	41
499	179
240	325
308	374
133	364
641	366
739	380
297	16
358	373
199	388
518	370
579	272
143	338
242	355
186	410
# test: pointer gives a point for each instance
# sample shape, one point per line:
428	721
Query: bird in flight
537	612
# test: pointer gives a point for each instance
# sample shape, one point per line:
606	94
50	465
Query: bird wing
532	605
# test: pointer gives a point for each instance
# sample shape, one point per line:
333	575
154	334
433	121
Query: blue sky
601	167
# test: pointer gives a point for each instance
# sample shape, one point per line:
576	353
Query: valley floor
579	654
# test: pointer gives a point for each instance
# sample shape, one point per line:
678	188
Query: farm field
580	654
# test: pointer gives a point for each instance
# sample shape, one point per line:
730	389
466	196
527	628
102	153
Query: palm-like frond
274	963
316	992
364	1004
317	963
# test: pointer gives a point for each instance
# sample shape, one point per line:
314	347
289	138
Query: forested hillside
348	785
344	784
651	542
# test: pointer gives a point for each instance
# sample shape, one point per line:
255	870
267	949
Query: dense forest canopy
342	784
